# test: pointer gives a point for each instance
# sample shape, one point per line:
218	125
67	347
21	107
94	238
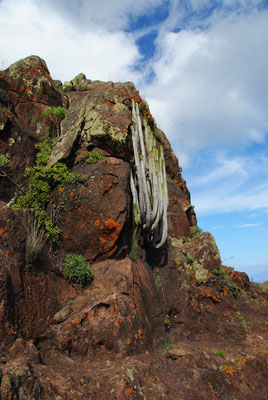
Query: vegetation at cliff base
77	269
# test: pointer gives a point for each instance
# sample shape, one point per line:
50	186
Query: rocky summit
108	288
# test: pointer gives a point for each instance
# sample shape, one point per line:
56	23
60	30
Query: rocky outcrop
167	323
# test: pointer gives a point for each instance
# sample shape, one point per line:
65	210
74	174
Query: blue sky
202	65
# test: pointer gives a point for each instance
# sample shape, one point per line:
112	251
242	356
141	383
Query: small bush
90	157
77	269
58	112
167	322
196	230
220	274
56	115
235	290
42	181
3	160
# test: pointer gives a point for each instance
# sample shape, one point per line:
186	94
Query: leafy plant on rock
77	269
196	230
167	322
90	157
42	180
55	115
3	160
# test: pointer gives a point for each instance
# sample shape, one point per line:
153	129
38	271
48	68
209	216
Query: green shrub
58	112
167	322
90	157
42	180
219	353
77	269
3	160
56	115
220	273
235	290
196	230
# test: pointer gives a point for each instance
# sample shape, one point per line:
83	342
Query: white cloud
228	196
98	53
224	167
249	225
211	86
102	14
215	228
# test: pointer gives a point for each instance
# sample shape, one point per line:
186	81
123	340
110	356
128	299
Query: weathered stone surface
26	91
23	288
94	214
175	353
30	89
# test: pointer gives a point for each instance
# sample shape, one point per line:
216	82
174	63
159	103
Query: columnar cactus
148	182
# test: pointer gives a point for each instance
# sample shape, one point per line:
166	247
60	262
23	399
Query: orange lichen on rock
110	232
128	391
229	370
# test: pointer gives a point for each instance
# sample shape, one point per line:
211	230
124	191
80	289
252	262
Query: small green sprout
219	353
167	322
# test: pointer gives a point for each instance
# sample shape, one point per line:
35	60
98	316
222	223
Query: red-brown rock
174	324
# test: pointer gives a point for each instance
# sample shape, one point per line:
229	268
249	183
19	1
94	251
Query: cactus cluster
148	182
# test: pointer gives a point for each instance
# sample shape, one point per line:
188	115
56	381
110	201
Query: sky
202	66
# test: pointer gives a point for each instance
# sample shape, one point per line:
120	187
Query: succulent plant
148	182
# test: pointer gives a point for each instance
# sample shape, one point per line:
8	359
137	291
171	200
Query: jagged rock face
143	329
29	89
26	89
